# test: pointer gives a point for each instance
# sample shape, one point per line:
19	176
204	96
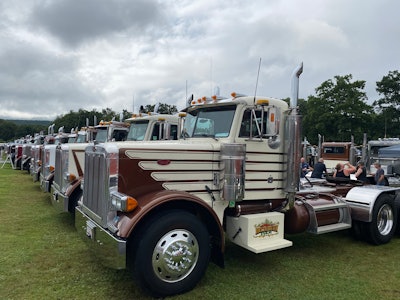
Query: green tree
163	108
7	130
81	118
337	111
388	106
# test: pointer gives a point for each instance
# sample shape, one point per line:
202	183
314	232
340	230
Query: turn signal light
71	177
122	202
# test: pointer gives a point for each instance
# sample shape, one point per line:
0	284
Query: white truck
70	158
164	209
48	153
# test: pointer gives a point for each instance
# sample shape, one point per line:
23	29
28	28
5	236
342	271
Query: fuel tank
313	211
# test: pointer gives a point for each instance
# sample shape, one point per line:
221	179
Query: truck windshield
137	130
209	122
334	150
101	135
81	138
72	139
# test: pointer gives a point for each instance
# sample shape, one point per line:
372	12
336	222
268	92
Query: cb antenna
258	75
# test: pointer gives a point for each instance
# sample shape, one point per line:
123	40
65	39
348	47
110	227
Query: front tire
384	218
172	254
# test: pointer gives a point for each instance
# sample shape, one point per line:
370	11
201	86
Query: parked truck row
164	199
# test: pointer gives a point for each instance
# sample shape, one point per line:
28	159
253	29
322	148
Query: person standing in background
361	172
319	169
305	167
379	174
344	170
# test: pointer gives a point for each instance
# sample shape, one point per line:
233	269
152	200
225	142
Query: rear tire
358	230
384	218
172	254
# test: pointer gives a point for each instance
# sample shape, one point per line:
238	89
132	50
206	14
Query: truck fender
361	200
74	193
73	187
155	202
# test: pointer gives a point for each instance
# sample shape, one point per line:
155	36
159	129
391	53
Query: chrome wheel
175	255
385	219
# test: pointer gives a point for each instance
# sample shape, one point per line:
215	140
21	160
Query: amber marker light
131	204
72	177
262	102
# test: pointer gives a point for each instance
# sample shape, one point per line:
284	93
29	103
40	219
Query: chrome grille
44	162
58	171
96	186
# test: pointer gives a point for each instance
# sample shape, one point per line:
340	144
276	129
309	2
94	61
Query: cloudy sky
63	55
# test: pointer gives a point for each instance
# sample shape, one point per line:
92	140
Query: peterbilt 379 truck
164	209
48	155
70	166
69	158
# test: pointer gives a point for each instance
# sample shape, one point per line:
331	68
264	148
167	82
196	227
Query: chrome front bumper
58	199
108	248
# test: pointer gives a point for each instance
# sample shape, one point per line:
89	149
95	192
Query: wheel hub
175	255
385	219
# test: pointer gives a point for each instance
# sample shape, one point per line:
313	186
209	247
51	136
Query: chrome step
344	220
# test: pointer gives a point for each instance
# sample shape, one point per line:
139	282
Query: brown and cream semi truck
163	209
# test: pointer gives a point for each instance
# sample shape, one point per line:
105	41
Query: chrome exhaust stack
293	139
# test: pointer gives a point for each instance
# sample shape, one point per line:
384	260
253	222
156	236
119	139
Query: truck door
265	158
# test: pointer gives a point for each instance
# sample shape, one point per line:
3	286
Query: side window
120	135
174	132
246	124
156	132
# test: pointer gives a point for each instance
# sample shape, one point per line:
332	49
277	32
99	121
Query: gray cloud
63	55
76	22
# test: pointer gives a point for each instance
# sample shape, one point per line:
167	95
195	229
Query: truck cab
47	158
337	152
34	165
374	154
152	127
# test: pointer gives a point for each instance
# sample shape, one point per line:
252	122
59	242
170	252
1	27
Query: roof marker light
262	102
236	95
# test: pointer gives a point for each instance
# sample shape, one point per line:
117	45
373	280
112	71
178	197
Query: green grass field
42	257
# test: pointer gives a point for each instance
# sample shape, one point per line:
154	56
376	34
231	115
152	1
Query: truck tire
172	254
358	230
384	218
73	200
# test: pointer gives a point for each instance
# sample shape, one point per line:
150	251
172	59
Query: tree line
338	111
10	130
